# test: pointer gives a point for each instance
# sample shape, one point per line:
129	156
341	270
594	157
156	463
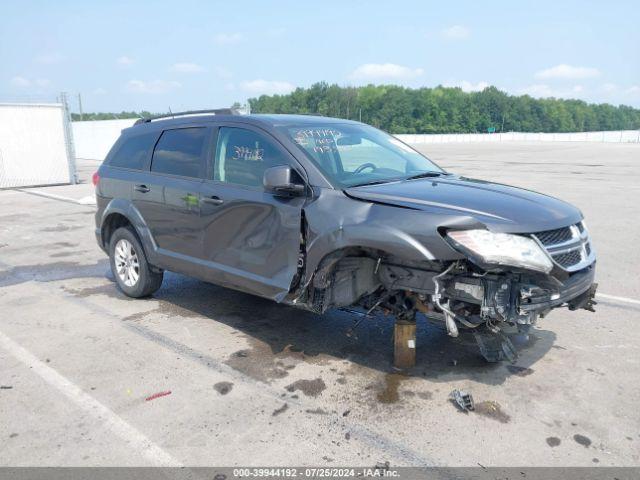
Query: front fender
336	222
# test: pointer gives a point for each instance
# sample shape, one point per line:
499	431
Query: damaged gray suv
326	213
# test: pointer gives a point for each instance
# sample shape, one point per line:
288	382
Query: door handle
141	188
213	200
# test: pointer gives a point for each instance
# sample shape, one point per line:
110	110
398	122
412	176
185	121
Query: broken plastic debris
158	395
463	399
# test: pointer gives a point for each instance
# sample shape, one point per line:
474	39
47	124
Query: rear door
251	238
170	200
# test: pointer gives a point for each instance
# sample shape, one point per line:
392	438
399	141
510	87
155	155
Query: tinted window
134	151
179	152
242	156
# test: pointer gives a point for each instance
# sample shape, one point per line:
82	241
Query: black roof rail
215	111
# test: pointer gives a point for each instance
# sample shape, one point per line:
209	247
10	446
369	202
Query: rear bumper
577	292
98	233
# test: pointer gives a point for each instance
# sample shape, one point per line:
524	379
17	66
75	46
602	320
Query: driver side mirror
283	180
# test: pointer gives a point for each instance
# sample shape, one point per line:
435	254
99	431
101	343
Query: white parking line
137	441
619	299
88	200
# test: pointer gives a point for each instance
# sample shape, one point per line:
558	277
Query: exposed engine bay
459	295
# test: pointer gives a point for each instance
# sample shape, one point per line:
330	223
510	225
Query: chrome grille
551	237
568	259
569	247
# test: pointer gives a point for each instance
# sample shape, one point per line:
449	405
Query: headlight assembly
502	249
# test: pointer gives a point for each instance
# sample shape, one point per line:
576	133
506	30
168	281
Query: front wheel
129	265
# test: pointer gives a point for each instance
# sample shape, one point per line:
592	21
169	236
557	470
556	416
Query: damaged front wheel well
343	277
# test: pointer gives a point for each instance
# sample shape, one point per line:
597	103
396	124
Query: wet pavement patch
63	254
317	411
62	245
492	410
108	289
280	410
311	388
257	363
520	371
50	272
582	440
61	228
389	394
223	387
553	441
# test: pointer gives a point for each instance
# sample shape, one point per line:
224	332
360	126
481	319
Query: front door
251	238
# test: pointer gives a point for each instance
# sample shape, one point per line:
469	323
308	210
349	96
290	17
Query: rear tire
129	265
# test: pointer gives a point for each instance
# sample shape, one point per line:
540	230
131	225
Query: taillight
95	179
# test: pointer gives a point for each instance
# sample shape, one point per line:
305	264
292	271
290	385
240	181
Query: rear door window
180	152
134	151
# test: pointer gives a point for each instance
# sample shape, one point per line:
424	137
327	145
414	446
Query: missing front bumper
577	292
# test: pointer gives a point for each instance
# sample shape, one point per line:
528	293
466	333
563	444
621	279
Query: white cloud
228	38
224	73
267	87
153	86
607	92
124	60
456	32
567	72
542	90
99	91
23	82
467	86
19	81
381	71
537	90
49	58
186	67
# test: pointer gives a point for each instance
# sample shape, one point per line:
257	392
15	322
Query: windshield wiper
426	175
373	182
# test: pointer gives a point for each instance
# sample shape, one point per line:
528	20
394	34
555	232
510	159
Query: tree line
76	117
448	110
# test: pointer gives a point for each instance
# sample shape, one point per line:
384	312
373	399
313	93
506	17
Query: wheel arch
119	213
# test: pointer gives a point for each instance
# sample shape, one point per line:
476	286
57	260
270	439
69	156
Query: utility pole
80	106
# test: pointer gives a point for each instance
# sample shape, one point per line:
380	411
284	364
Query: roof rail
216	111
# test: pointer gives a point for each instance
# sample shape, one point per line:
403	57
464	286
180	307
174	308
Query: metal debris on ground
463	399
158	395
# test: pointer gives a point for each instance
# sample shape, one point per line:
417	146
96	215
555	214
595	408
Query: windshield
352	155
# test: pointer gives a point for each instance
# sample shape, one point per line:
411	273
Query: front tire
129	265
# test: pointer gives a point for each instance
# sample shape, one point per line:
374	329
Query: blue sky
200	54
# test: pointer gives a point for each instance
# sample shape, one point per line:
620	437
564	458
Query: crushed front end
506	282
496	287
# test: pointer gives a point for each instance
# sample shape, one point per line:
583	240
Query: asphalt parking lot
256	383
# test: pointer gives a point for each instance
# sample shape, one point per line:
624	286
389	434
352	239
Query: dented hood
499	207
